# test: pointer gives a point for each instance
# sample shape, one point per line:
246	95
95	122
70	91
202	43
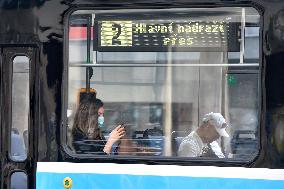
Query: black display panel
165	35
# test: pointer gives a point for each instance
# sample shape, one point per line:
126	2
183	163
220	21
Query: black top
83	145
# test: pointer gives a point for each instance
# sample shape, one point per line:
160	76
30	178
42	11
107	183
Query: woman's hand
115	135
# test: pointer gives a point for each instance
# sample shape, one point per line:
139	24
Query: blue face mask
101	121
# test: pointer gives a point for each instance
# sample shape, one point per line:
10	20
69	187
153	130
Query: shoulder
77	134
190	139
189	146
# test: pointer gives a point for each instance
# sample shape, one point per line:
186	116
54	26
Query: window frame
69	155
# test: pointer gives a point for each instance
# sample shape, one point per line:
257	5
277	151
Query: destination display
166	35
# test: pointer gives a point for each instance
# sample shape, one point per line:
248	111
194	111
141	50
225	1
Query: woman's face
101	111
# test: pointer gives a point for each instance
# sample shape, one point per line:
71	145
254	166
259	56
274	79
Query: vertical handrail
242	44
88	53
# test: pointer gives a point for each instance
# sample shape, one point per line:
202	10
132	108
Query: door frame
9	166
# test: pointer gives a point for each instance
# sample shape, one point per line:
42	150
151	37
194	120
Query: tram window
19	180
20	108
159	72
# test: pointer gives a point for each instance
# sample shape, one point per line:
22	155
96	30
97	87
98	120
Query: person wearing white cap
202	141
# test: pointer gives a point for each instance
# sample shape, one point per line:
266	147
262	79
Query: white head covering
218	121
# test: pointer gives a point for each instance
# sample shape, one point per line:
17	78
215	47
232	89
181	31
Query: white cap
218	121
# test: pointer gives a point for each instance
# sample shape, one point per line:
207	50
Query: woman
87	136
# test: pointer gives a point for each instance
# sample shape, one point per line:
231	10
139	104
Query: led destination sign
158	35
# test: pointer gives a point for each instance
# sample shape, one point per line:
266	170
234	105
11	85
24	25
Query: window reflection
20	108
161	97
19	180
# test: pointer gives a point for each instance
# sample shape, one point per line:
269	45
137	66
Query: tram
159	67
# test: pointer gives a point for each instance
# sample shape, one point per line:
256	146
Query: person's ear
207	124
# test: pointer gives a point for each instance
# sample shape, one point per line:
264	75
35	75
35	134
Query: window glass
20	108
19	180
159	74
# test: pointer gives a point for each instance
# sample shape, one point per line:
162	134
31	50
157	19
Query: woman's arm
114	136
